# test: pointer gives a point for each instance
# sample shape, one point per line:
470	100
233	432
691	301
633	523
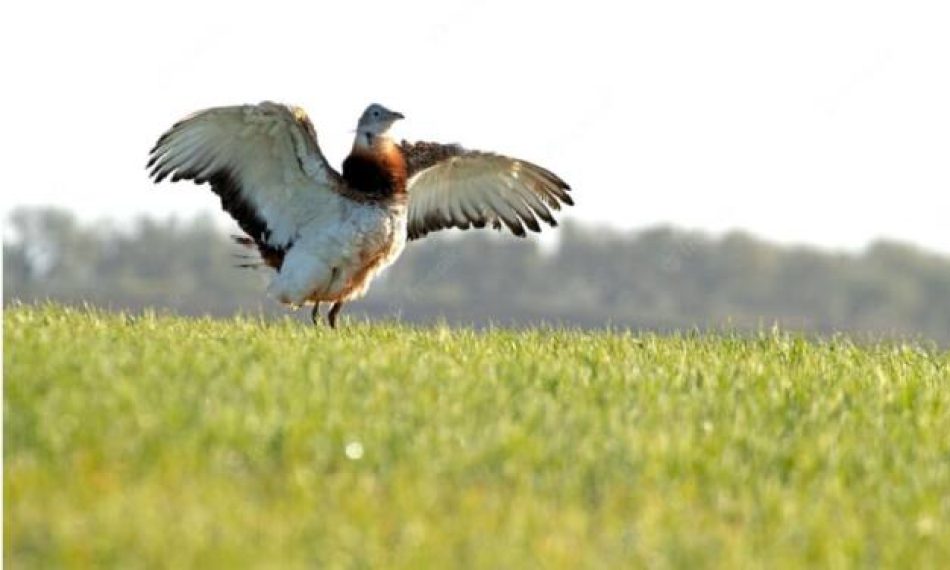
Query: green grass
154	441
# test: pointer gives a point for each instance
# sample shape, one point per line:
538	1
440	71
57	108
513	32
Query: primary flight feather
327	234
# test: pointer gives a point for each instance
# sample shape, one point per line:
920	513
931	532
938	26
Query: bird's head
375	122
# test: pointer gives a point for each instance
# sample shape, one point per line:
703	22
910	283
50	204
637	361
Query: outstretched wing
450	187
262	160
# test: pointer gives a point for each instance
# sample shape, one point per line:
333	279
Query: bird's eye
375	113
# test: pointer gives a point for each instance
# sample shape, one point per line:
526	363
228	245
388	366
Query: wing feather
450	187
263	161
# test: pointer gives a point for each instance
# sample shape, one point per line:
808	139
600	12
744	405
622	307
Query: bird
327	234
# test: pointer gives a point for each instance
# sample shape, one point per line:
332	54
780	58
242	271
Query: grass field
155	441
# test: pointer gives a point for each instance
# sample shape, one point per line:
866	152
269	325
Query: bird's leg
315	314
334	311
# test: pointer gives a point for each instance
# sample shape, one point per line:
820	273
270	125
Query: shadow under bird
328	234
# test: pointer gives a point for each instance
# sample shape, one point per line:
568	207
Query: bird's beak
396	115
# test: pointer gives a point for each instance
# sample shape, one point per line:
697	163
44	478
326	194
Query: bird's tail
266	256
244	240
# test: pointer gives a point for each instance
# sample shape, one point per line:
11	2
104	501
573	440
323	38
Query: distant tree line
659	279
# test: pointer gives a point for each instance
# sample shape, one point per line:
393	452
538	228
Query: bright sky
822	122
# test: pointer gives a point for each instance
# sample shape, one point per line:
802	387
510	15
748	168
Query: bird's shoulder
420	155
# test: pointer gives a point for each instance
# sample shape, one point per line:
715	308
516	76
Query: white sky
823	122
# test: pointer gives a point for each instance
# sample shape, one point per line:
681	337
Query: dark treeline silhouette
661	279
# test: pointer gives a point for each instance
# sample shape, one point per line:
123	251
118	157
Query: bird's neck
370	142
375	166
